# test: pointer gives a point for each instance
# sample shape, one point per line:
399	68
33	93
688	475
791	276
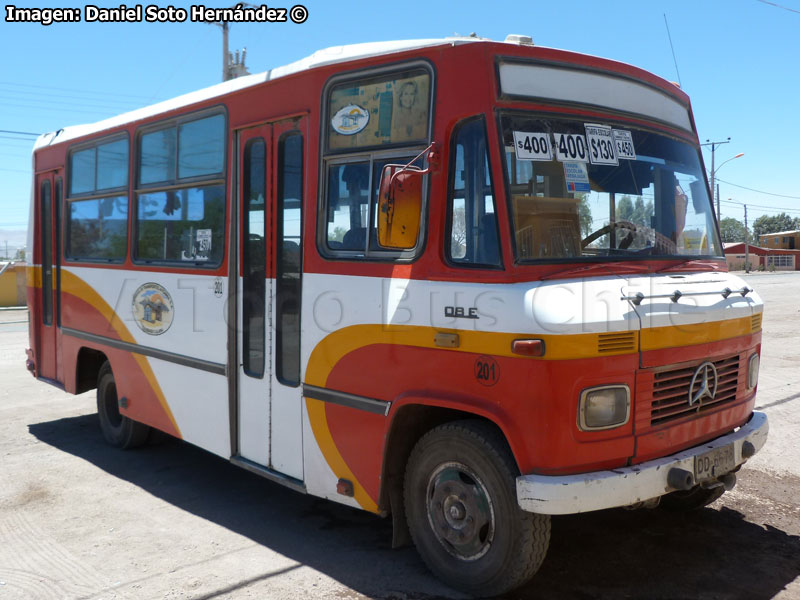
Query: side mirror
399	206
400	201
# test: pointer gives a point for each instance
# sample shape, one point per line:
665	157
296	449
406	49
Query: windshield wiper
692	264
616	267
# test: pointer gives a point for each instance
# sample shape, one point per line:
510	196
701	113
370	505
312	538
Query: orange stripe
72	284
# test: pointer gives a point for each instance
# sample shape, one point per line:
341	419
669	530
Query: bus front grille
671	394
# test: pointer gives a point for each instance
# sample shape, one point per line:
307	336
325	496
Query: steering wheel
627	241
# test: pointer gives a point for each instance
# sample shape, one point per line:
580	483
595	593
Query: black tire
118	430
462	511
692	499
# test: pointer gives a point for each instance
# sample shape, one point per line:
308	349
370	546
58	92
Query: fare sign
601	145
532	146
623	144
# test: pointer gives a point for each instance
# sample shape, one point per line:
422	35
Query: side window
45	208
180	200
254	258
371	122
288	253
472	224
97	204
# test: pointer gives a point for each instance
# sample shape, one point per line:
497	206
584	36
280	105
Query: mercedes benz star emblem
704	384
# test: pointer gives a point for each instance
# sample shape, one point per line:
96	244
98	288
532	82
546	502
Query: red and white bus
468	284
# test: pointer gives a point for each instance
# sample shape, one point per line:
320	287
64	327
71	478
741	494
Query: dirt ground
81	520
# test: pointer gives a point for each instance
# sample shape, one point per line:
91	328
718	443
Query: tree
20	255
642	213
624	209
733	231
585	216
774	223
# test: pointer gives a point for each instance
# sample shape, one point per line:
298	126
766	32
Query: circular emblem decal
487	371
350	120
152	308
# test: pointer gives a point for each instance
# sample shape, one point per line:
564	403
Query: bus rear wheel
461	505
118	430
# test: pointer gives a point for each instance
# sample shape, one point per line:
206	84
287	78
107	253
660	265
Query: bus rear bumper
584	492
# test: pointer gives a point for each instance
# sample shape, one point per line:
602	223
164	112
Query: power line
59	99
779	6
758	191
20	132
8	137
732	202
90	92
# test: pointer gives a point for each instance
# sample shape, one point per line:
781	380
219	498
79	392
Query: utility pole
746	243
713	171
231	70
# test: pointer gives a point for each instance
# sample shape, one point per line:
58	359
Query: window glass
185	225
383	110
98	228
81	171
352	213
112	165
254	259
587	190
157	156
473	218
47	257
202	147
288	254
348	198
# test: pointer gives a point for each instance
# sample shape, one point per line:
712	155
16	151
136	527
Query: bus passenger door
47	254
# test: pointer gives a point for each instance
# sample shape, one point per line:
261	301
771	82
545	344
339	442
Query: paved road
81	520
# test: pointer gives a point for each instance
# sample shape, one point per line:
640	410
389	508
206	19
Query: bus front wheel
118	430
461	505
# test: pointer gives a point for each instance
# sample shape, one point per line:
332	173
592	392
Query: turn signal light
528	347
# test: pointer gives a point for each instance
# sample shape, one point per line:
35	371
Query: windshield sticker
623	142
571	147
577	177
350	120
601	145
532	146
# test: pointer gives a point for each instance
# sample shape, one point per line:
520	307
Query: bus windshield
581	189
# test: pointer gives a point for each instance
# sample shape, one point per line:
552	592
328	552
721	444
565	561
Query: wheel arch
410	419
87	368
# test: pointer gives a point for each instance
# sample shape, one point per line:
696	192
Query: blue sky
737	60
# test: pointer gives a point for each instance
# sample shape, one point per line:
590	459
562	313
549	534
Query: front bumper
584	492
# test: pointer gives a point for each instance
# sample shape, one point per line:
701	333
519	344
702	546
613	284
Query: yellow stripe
72	284
33	277
673	336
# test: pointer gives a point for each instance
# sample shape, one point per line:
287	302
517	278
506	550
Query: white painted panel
198	326
254	392
572	85
199	402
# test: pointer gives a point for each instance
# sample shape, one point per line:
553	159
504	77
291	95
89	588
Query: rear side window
97	204
180	193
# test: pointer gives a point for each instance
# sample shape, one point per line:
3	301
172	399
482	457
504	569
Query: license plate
714	463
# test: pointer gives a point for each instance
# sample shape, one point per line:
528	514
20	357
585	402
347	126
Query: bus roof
327	56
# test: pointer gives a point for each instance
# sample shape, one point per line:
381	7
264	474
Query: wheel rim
460	511
111	405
